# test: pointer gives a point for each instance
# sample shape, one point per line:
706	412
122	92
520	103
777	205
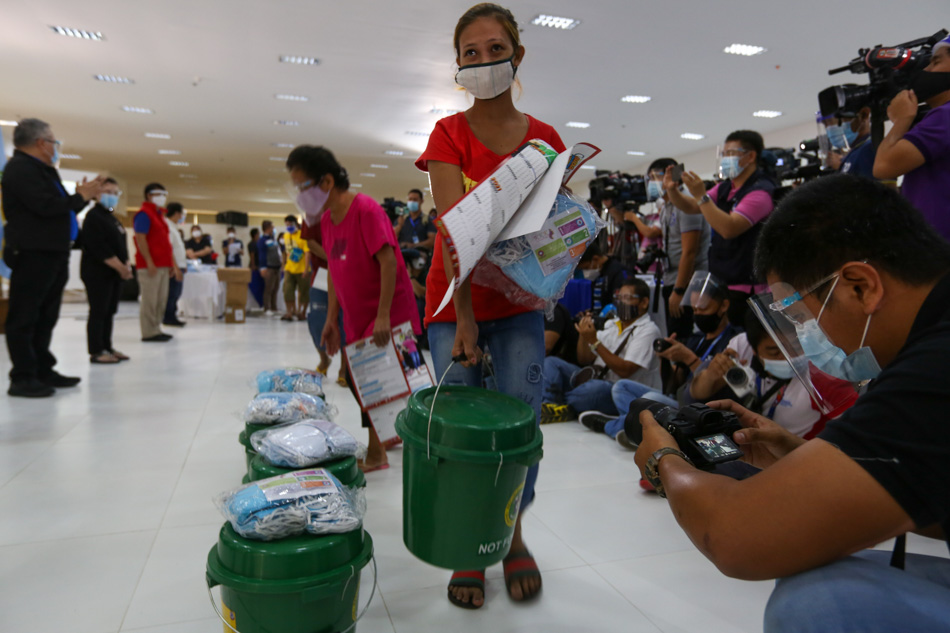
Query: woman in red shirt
463	150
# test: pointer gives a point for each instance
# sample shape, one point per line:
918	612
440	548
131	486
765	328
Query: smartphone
677	172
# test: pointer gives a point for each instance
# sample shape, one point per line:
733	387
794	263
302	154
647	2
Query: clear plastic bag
533	270
312	501
276	408
305	443
291	379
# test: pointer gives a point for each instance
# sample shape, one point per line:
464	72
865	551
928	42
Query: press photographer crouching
858	283
621	348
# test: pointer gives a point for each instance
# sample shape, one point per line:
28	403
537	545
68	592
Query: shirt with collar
638	350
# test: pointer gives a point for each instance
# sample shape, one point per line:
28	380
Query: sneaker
175	323
625	441
595	420
551	412
56	379
30	389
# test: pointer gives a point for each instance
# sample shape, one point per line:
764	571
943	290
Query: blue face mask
109	200
291	229
781	369
729	167
654	190
56	155
858	366
413	206
841	136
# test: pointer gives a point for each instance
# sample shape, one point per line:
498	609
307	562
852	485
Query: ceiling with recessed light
209	97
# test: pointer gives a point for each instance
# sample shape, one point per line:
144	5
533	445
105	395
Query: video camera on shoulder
703	434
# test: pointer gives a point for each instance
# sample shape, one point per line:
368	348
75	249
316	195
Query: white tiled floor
107	514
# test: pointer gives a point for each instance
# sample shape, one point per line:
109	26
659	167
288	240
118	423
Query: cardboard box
236	281
235	294
234	313
234	275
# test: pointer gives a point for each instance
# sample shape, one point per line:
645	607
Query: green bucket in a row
249	451
463	478
345	469
301	584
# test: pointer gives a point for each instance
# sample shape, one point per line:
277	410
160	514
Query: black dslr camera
650	254
600	320
703	434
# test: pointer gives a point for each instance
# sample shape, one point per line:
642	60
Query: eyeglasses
734	152
627	297
304	185
53	141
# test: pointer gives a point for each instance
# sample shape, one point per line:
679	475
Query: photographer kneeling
862	279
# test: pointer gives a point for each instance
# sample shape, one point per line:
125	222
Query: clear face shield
654	180
703	290
796	331
837	132
730	160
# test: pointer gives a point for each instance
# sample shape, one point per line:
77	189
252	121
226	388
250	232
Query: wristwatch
704	199
593	346
653	464
680	291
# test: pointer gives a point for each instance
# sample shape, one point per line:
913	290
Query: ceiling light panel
767	114
284	145
137	110
746	50
113	79
443	112
278	159
393	152
555	22
169	152
71	156
292	97
287	123
578	124
157	135
635	99
357	185
377	166
296	59
8	123
178	163
415	133
636	153
95	36
188	176
368	175
692	136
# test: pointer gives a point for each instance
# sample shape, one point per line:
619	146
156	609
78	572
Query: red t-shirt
453	142
308	232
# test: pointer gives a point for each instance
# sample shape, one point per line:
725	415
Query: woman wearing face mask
199	246
463	150
104	266
367	277
233	249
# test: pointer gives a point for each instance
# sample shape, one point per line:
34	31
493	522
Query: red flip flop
362	466
521	565
474	579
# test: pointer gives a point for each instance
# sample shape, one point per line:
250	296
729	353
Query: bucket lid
244	439
345	469
472	419
250	428
286	559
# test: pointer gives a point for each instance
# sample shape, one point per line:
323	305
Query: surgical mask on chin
159	201
413	206
927	84
487	81
109	200
780	369
311	201
590	274
654	190
729	167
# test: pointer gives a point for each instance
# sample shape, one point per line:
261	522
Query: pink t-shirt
755	206
351	247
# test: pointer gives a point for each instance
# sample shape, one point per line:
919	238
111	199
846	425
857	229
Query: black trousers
102	289
682	325
37	281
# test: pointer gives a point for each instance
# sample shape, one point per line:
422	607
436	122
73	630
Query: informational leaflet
297	484
561	239
514	201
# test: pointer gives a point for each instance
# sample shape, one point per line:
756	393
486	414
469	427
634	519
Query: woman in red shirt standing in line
463	150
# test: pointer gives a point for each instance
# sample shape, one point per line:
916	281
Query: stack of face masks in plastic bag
290	380
312	501
305	443
542	263
272	408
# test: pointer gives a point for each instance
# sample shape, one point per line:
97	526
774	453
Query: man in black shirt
560	335
863	278
41	228
605	273
200	246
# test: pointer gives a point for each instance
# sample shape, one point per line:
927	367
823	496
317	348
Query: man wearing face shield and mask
850	137
622	349
859	291
922	153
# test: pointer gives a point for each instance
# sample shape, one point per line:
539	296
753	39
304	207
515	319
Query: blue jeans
624	393
317	317
863	593
593	395
517	350
174	294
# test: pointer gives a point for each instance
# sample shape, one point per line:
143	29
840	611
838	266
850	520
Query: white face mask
159	200
487	81
591	274
196	234
231	235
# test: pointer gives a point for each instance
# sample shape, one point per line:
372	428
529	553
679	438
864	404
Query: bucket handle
372	594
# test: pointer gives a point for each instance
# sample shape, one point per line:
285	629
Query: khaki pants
153	300
271	284
299	283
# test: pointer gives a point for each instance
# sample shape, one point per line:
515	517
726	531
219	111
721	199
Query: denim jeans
593	395
517	350
863	593
317	317
624	393
174	294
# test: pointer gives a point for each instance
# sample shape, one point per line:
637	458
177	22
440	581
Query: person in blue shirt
270	262
850	136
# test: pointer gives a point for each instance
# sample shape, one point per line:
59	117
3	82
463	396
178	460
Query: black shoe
56	379
30	389
158	338
595	420
175	323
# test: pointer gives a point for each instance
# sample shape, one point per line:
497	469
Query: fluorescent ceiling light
296	59
358	186
635	99
278	159
188	176
375	166
412	133
290	123
292	98
112	79
743	49
555	22
157	135
368	175
8	123
443	111
767	114
96	36
394	152
634	153
177	163
577	124
692	136
138	110
284	145
169	152
70	156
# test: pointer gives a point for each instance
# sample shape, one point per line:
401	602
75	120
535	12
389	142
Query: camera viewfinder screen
717	447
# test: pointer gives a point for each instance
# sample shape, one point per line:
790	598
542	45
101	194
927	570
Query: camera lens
737	376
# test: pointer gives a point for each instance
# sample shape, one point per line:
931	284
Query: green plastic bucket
462	489
302	584
249	451
344	469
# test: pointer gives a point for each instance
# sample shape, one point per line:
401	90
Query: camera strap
603	371
760	401
898	555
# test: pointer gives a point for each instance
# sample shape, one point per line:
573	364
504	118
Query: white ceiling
210	71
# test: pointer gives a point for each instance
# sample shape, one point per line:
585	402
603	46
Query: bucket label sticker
297	484
229	618
494	546
514	505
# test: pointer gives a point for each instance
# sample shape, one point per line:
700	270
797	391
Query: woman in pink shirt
368	277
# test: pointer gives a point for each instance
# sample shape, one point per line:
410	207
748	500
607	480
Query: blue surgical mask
729	167
109	200
859	366
56	155
291	229
841	136
654	190
413	206
781	369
